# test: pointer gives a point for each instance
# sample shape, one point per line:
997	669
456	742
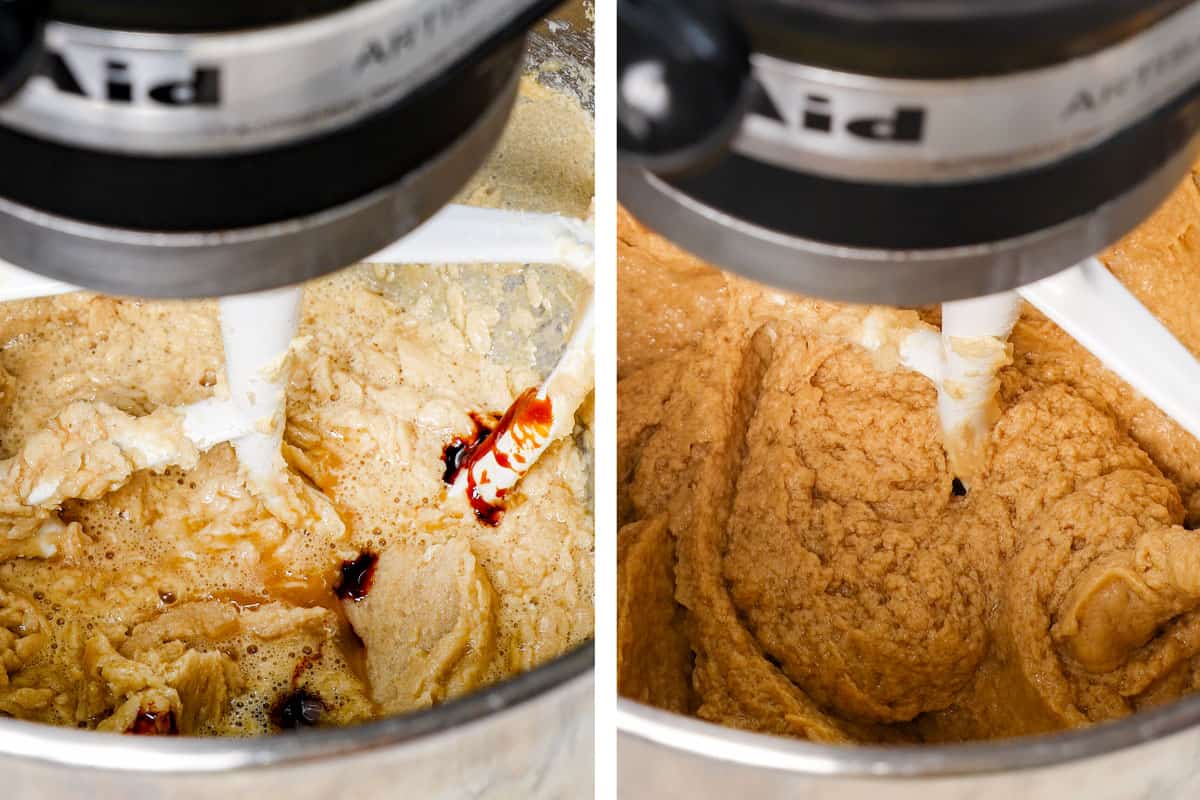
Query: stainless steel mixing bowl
527	737
1153	755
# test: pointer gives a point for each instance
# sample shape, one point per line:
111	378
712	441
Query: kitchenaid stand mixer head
900	152
208	148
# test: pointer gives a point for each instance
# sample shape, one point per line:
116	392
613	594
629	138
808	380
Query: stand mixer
227	149
906	153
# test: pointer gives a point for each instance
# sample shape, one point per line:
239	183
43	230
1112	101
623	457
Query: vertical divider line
606	398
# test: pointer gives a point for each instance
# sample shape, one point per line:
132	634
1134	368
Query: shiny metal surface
1153	755
270	86
887	276
530	737
971	128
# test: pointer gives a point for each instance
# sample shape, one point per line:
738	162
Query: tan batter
178	603
794	558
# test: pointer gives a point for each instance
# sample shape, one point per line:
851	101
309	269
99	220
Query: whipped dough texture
795	556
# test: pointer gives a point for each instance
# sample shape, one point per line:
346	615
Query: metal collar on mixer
900	130
223	261
159	161
703	224
906	186
157	94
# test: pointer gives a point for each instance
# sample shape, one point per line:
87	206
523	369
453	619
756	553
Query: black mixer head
907	151
216	147
191	16
943	38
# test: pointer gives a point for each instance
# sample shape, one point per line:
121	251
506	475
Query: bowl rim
971	759
69	747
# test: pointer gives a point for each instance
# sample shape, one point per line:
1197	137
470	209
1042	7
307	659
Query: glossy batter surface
796	558
172	601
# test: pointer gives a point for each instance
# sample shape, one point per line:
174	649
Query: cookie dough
145	589
796	557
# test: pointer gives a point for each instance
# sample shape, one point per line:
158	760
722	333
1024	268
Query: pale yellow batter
795	557
147	600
